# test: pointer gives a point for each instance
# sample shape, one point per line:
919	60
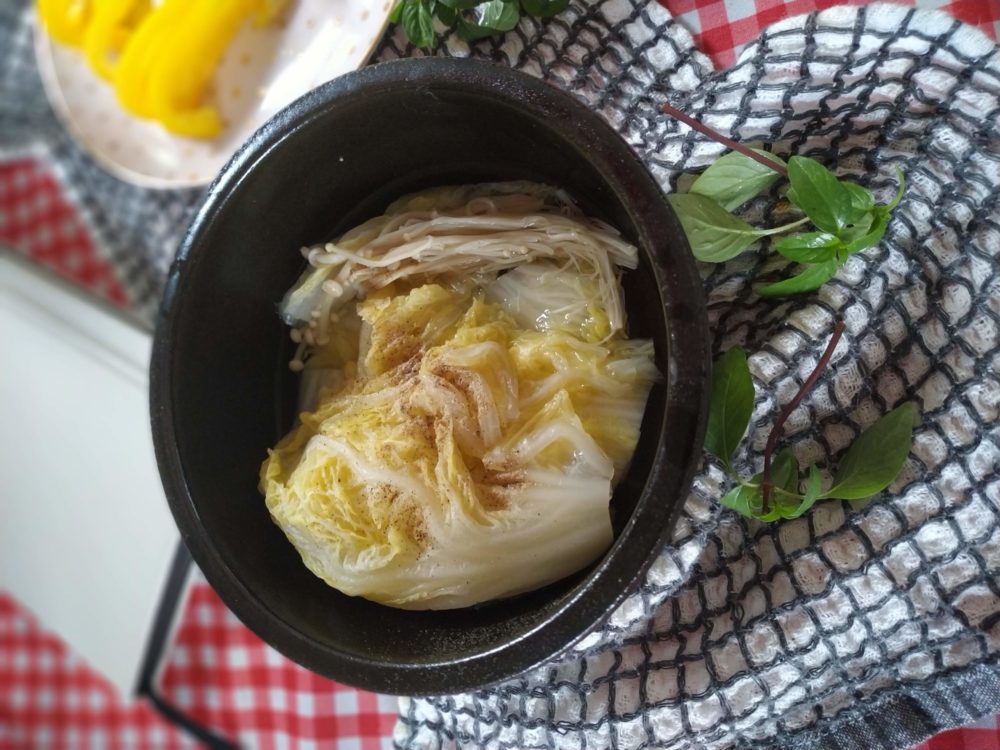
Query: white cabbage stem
476	231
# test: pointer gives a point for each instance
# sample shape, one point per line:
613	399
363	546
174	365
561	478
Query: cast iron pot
221	392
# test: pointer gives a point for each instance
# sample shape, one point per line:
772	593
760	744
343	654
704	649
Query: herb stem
784	228
772	438
727	142
776	490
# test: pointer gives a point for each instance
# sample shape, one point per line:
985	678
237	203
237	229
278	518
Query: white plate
263	70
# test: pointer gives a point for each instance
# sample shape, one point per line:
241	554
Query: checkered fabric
49	698
224	677
217	673
740	633
36	218
722	27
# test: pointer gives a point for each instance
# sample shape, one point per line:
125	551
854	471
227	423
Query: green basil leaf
774	514
824	198
499	15
859	229
812	278
544	8
784	476
714	233
876	457
809	247
460	4
447	16
418	23
814	486
872	237
731	404
397	11
742	499
734	179
470	32
861	198
785	471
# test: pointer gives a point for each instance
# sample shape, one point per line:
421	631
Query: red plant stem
772	439
727	142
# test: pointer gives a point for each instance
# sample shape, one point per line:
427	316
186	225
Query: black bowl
221	393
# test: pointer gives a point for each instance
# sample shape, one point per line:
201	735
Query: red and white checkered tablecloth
722	27
217	672
226	678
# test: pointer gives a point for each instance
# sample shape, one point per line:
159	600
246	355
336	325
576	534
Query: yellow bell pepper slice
65	20
161	57
112	24
178	84
138	57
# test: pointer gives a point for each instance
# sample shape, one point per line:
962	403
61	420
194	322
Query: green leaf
731	404
876	457
734	179
784	476
812	278
460	4
499	15
785	471
809	247
544	8
861	198
418	23
814	486
874	235
785	502
714	233
774	514
397	11
824	198
470	32
742	499
859	229
447	16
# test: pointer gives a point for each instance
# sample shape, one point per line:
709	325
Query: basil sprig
844	215
869	465
470	19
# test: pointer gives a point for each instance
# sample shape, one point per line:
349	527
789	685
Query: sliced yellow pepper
65	20
160	57
137	60
178	84
112	24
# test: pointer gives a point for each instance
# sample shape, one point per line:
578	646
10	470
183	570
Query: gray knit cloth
860	629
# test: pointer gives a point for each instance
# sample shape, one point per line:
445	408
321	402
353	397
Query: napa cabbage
469	397
469	457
